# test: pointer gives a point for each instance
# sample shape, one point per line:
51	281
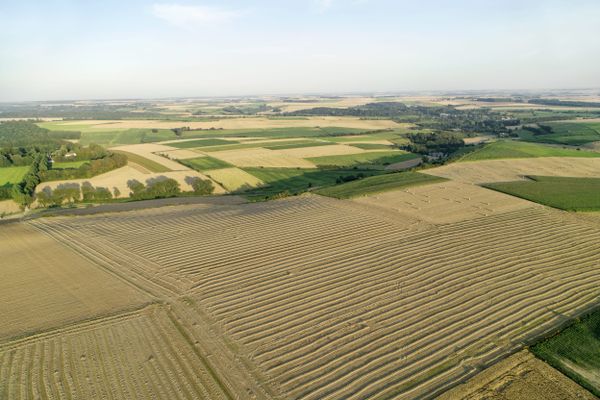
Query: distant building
70	155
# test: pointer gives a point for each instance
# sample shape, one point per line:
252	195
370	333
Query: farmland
300	309
315	269
572	194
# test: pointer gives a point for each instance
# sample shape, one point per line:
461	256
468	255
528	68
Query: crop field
259	157
234	179
8	207
12	174
572	194
332	150
514	149
205	163
60	286
445	202
378	159
376	184
310	309
576	351
514	170
519	377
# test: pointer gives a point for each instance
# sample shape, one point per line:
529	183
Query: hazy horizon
59	50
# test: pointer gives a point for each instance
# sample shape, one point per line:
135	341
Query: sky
87	49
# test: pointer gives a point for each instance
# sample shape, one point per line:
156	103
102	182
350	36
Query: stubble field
308	309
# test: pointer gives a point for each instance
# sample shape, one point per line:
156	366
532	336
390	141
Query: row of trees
163	187
86	170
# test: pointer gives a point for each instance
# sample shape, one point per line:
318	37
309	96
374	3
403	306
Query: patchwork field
179	154
319	151
513	170
44	285
313	310
446	202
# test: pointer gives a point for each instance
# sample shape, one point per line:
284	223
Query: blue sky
83	49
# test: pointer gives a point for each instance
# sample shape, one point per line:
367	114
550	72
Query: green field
150	165
516	149
205	163
296	145
377	184
293	181
579	346
569	133
68	164
571	194
378	159
12	174
371	146
188	144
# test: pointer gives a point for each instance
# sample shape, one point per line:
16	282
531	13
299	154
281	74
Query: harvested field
446	202
147	151
118	178
9	207
401	310
513	170
44	285
234	179
320	151
261	158
138	355
519	377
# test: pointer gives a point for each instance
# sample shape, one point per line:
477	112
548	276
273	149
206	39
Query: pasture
12	174
311	309
571	194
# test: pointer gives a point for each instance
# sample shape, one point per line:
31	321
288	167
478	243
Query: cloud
323	5
185	16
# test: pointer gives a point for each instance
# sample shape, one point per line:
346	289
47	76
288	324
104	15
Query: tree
44	197
87	191
137	188
199	185
116	192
